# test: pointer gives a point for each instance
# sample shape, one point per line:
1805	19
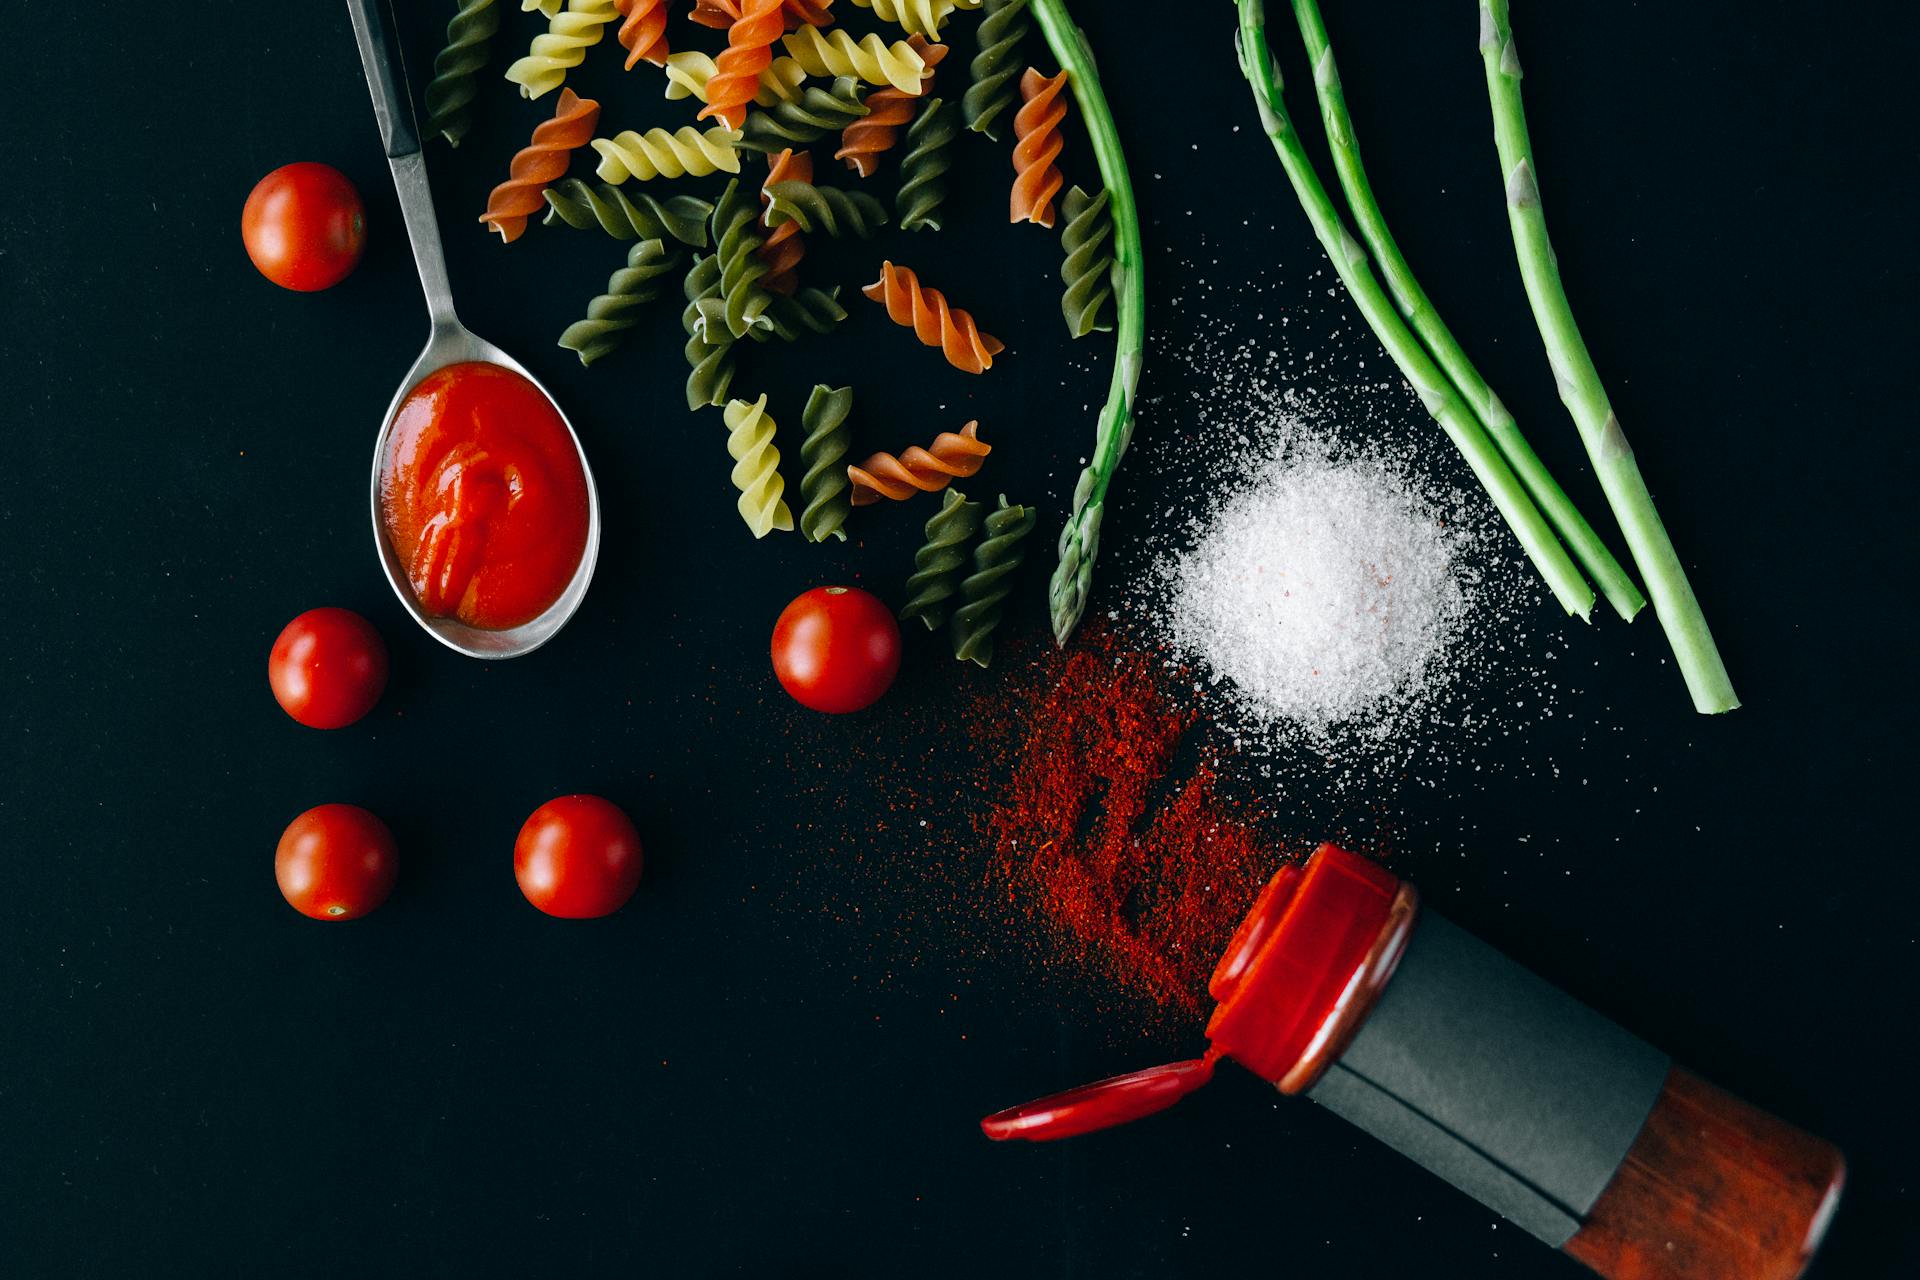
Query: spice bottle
1339	986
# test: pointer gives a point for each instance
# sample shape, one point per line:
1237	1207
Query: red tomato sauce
483	496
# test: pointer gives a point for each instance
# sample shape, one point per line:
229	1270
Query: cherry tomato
328	667
304	226
336	862
836	649
577	857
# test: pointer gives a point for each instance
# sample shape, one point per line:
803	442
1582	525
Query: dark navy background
726	1078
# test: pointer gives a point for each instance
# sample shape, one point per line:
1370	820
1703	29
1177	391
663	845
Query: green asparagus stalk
1612	580
1438	395
1080	539
1579	382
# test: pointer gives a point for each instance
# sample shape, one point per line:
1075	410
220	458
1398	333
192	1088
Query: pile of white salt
1324	586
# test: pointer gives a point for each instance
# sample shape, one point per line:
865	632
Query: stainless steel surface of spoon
448	342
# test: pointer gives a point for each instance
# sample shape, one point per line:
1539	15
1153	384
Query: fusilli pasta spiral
580	205
1036	171
933	320
1088	269
542	161
823	452
942	559
720	14
643	31
983	592
688	73
994	67
830	209
811	13
457	68
610	314
811	309
784	247
737	242
546	7
921	17
923	167
869	58
809	117
657	153
562	46
709	358
736	72
888	112
952	454
756	467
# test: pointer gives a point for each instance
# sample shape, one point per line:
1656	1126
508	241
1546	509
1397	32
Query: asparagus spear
1080	539
1438	395
1579	382
1572	527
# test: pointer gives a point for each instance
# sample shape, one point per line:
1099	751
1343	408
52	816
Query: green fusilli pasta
612	313
942	560
834	210
984	591
823	452
736	243
996	68
1087	236
807	309
923	167
807	118
581	204
456	69
710	358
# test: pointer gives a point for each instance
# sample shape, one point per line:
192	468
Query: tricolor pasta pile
790	97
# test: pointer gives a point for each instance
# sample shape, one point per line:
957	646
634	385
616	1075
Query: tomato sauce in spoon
483	497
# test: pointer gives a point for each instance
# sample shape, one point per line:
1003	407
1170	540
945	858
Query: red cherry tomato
328	667
577	857
304	226
836	649
336	862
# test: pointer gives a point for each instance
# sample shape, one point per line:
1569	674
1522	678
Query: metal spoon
449	342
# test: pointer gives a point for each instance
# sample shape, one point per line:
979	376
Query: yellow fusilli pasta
919	17
687	75
562	46
657	153
870	58
756	467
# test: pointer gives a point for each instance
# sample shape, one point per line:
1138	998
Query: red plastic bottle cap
1100	1105
1293	966
1297	958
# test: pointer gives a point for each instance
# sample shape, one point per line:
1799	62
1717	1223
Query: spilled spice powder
1133	867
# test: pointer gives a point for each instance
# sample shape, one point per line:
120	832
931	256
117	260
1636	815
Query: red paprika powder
1137	875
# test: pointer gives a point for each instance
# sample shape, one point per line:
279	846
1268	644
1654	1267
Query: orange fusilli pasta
1036	126
889	112
643	31
933	320
783	248
952	454
540	163
749	51
720	14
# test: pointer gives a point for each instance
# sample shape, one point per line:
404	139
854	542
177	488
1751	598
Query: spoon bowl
449	342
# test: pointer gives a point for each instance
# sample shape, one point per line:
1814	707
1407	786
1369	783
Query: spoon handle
386	76
386	72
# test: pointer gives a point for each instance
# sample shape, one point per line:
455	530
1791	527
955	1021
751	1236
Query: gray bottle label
1508	1088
